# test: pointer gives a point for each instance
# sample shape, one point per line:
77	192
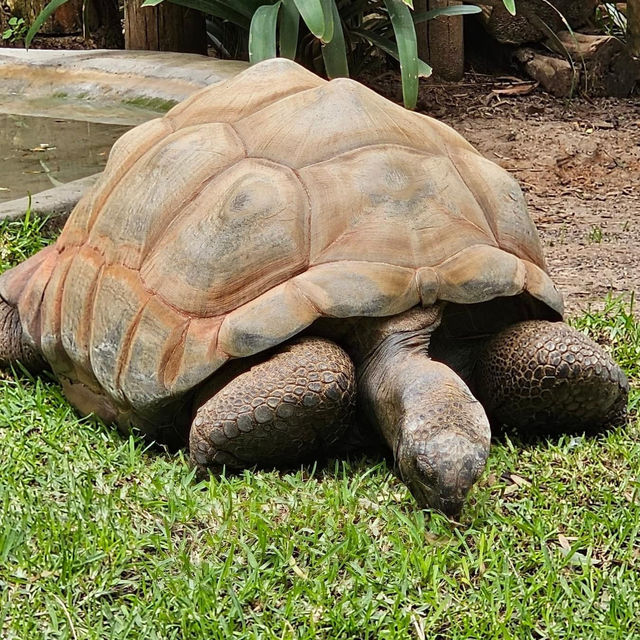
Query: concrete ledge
56	202
104	85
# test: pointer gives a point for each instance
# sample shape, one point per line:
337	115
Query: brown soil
578	162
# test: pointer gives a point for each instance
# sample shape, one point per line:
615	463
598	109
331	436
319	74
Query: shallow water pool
38	153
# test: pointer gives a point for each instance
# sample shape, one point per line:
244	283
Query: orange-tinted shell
250	210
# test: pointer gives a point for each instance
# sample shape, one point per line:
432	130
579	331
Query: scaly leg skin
290	408
438	432
545	376
12	346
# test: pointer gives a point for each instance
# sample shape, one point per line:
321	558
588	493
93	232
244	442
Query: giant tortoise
277	250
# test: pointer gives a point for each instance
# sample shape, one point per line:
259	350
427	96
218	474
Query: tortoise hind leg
290	408
547	376
12	345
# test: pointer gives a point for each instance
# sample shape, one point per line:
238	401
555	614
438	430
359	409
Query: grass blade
334	53
289	27
262	33
407	42
510	5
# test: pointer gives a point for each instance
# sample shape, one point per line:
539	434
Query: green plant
340	32
611	20
16	29
596	235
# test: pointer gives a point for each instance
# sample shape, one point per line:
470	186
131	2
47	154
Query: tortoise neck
410	330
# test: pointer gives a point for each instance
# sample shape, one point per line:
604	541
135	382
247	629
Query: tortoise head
441	471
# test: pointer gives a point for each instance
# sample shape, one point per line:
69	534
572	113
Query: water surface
38	153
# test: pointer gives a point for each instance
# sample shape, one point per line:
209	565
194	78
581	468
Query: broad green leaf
40	20
327	10
334	53
262	33
405	33
457	10
151	3
510	6
424	70
289	26
318	20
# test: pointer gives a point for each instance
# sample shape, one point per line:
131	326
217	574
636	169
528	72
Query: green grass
104	537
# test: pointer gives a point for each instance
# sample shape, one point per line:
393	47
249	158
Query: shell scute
243	234
165	180
266	321
158	331
247	93
350	289
77	306
196	356
309	127
124	155
51	315
391	204
119	302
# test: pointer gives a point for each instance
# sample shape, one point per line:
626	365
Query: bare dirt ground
578	162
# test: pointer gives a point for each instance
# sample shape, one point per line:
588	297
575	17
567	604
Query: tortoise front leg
547	376
285	410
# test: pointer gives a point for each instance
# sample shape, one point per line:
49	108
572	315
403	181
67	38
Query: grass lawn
104	537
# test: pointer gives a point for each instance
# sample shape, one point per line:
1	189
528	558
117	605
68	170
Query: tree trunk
445	43
166	27
633	26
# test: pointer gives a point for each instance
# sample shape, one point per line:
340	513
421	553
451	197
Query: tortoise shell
252	209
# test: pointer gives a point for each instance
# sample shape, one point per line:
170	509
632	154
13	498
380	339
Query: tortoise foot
546	376
290	408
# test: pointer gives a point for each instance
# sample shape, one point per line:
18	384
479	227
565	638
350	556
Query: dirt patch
578	162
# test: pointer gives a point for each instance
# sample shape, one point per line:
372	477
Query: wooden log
554	74
633	26
445	44
595	65
166	27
